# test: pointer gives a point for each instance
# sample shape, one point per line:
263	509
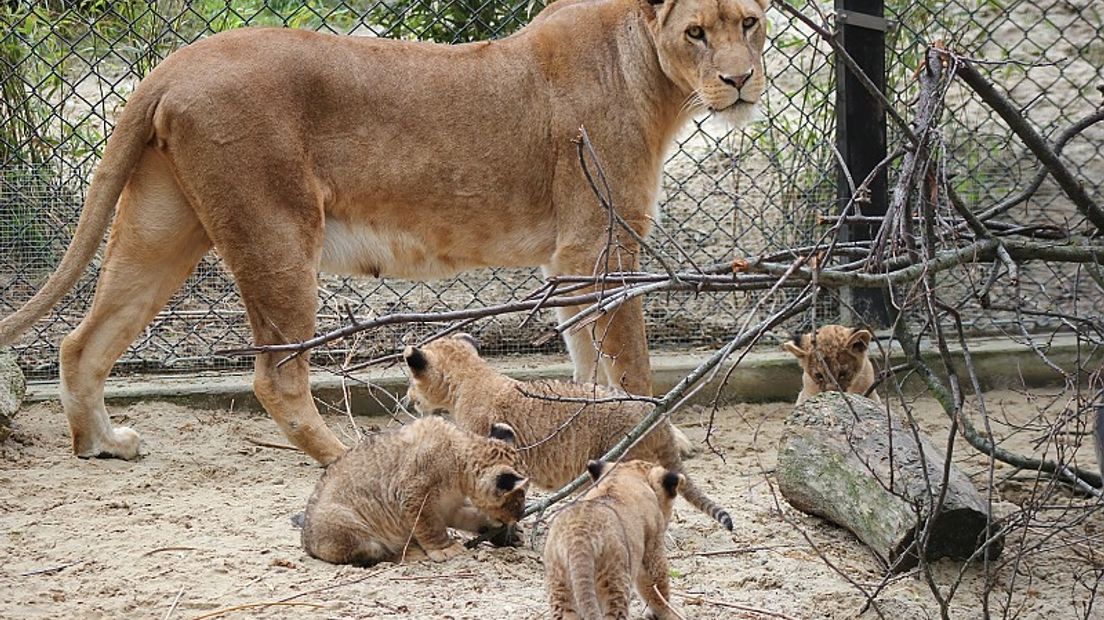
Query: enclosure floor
202	522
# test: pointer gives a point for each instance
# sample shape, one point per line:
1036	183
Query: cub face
837	362
429	391
499	490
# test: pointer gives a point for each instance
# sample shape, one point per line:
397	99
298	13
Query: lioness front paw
440	555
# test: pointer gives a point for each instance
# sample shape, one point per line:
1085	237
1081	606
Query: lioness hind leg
280	295
268	230
155	243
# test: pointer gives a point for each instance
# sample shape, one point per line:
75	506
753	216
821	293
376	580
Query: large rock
842	458
12	388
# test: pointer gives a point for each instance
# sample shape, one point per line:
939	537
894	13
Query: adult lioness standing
292	151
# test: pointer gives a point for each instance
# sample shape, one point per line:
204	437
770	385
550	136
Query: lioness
291	151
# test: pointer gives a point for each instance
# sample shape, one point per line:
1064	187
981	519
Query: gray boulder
12	388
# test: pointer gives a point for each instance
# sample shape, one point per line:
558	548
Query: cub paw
659	615
440	555
503	535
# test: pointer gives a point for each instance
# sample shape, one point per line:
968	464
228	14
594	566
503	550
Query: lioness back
558	424
402	488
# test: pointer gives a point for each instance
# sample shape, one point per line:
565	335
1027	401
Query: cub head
641	479
836	360
712	50
497	488
433	369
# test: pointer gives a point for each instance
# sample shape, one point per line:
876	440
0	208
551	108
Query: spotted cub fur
395	494
557	432
611	541
835	360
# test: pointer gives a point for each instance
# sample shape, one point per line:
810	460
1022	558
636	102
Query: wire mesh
68	66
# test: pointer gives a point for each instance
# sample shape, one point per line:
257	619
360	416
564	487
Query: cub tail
583	579
698	499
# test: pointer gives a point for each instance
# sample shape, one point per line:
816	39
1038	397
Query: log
843	458
13	386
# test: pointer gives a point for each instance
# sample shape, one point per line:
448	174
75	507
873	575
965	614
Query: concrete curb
763	376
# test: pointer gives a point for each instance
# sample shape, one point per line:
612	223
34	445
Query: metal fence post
861	138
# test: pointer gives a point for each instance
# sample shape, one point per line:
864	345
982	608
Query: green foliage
452	21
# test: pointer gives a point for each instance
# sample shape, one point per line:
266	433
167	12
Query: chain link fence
66	67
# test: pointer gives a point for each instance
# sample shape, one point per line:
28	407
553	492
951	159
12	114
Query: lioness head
712	49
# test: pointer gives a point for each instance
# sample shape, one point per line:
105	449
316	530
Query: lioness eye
695	32
749	23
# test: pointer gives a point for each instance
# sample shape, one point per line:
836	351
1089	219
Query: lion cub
404	487
558	433
838	363
611	541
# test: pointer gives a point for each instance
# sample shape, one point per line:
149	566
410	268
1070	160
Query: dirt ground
201	524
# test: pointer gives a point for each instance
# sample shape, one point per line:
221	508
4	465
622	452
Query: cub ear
595	469
503	432
671	482
510	481
860	340
469	339
415	359
793	345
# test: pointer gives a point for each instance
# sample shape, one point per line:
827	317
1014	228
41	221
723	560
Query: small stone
13	386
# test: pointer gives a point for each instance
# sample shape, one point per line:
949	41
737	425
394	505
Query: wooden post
861	137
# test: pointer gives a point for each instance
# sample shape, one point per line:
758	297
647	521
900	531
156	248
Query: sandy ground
201	524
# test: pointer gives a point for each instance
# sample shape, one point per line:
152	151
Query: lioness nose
736	81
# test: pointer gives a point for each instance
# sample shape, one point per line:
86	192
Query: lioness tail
124	150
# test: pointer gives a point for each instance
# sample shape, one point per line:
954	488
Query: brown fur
611	541
556	437
404	487
290	151
835	360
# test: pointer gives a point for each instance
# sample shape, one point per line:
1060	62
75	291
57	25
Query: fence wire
68	66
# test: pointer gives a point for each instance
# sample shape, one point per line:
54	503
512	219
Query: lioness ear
469	339
510	481
595	469
503	432
651	8
415	359
860	340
